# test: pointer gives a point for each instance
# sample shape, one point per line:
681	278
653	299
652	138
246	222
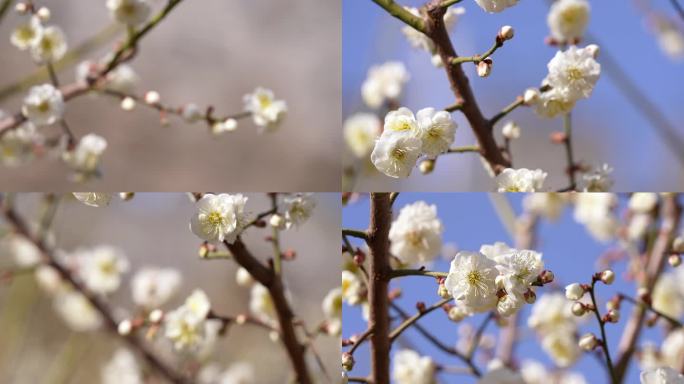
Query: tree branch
378	242
402	14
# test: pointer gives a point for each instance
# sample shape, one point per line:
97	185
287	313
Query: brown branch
378	242
100	306
273	282
460	85
602	326
670	213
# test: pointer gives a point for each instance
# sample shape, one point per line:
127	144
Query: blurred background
470	220
607	127
209	52
152	230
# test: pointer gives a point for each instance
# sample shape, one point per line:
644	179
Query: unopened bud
678	244
43	14
347	361
21	8
613	316
506	33
127	104
574	291
456	314
511	130
152	97
546	276
588	342
156	315
531	96
530	296
126	196
674	260
277	221
274	336
607	277
484	68
578	309
125	327
443	292
593	49
427	166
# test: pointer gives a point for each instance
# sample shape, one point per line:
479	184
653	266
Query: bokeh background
210	52
470	220
607	127
152	229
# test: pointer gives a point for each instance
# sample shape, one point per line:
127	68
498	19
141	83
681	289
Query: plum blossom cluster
496	278
572	75
27	135
406	137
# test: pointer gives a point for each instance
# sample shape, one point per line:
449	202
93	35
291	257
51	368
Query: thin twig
602	326
411	320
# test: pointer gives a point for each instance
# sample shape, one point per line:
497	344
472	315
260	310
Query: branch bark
670	213
110	322
380	270
460	85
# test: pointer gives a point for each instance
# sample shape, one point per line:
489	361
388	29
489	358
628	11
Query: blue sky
470	220
607	127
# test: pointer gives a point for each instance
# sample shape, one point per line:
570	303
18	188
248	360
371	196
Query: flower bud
674	260
126	196
511	130
243	278
574	291
21	8
127	104
546	276
578	309
427	166
43	14
125	327
443	292
607	277
531	96
506	33
456	314
593	49
156	316
347	361
274	336
613	316
277	221
152	97
484	68
588	342
530	296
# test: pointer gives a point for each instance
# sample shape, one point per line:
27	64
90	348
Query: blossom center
398	154
215	219
574	74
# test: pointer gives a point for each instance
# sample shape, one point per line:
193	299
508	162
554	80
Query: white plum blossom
436	130
598	179
24	252
416	234
672	348
670	38
595	211
495	6
219	217
50	46
409	367
360	132
28	34
44	105
396	155
352	288
535	372
667	296
573	73
129	12
472	281
267	112
122	368
552	312
261	304
298	208
568	20
94	199
384	82
154	287
17	146
332	308
520	180
552	103
77	312
187	325
122	79
101	268
562	347
663	375
402	121
85	159
519	269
